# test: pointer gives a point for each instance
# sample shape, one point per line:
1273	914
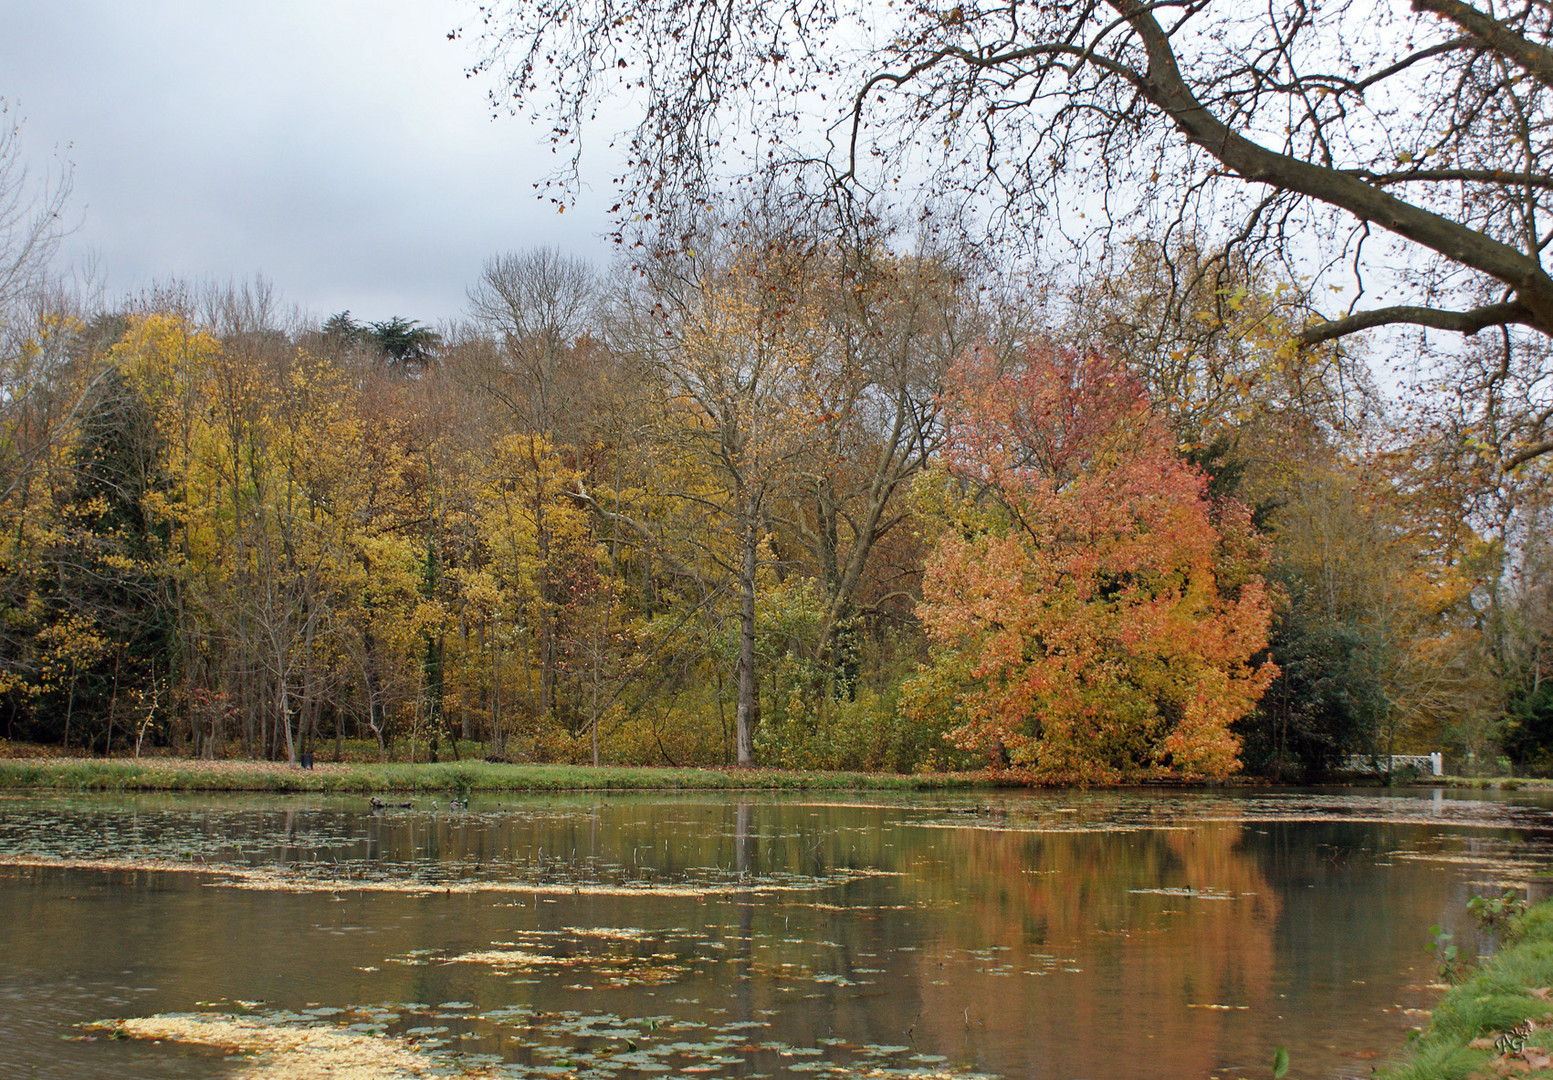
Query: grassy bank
172	774
1512	988
1485	783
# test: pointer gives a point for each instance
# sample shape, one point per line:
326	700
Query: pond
1044	935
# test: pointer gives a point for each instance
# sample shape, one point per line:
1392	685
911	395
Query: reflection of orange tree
1114	905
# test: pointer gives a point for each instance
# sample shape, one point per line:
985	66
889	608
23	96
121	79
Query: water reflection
1096	935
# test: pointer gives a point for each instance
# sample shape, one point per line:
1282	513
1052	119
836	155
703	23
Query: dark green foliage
117	464
1496	912
1310	718
404	343
104	626
341	331
1313	714
1528	738
1225	469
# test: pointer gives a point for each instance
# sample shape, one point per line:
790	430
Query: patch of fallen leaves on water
608	933
616	972
514	958
272	1050
1512	869
1174	814
287	880
603	1045
611	957
1062	827
410	1043
163	866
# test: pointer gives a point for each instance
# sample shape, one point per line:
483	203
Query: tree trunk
285	719
113	705
546	587
498	737
748	714
70	707
593	725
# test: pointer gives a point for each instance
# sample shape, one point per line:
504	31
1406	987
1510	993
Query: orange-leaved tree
1094	615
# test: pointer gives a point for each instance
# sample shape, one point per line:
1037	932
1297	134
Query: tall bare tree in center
739	346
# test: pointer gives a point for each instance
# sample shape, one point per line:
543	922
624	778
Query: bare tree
1207	333
40	397
537	304
31	221
895	324
1407	148
735	343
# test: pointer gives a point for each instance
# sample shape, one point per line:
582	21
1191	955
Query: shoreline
164	774
193	775
1497	1020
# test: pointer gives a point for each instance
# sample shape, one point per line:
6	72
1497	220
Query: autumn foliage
1094	616
761	503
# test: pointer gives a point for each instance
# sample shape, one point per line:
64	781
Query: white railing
1427	764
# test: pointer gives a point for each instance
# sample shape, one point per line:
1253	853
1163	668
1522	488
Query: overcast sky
333	146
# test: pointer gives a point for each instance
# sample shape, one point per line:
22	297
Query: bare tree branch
1463	322
1493	33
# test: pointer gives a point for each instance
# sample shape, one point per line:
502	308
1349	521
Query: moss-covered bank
171	774
1512	989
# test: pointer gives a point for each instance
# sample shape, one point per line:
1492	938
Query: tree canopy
1095	615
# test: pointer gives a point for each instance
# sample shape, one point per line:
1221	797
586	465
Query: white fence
1427	764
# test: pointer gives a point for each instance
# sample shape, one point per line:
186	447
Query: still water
1048	935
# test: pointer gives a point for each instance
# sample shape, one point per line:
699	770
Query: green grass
1494	998
1483	783
170	774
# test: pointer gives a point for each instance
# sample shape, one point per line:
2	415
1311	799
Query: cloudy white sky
333	146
